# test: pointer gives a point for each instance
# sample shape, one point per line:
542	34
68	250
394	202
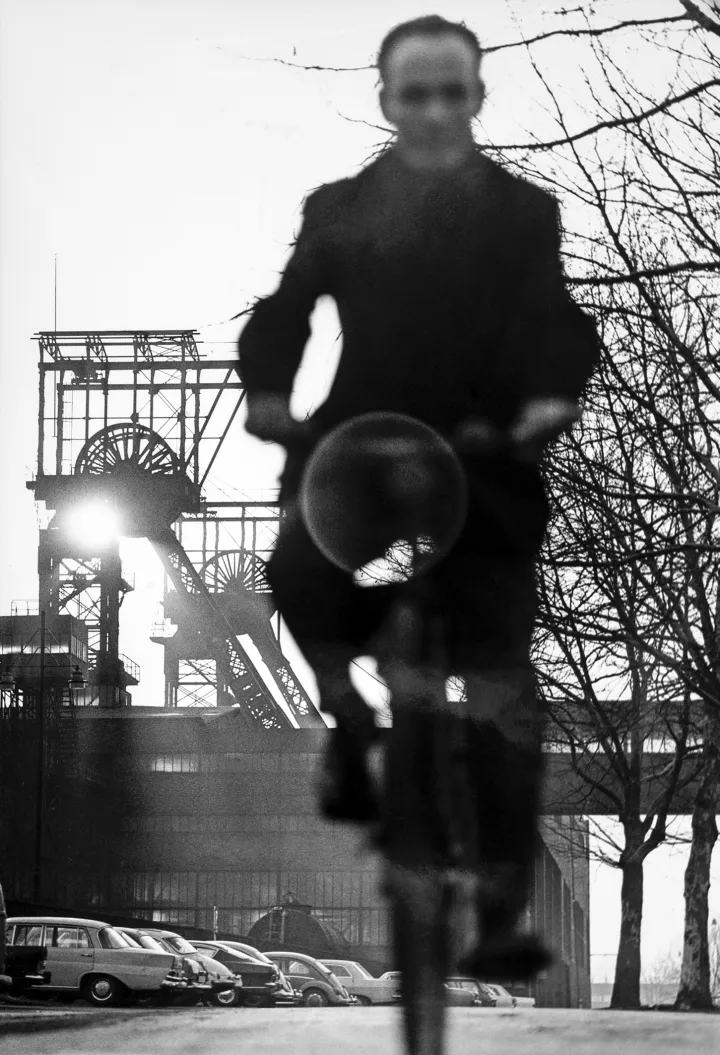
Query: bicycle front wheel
430	852
420	910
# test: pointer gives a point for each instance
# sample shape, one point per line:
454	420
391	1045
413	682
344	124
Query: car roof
246	948
220	946
217	944
293	955
61	921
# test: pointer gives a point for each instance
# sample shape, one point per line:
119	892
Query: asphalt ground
350	1031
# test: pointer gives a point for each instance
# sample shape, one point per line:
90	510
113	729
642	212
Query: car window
299	967
207	950
250	950
144	941
179	944
237	955
68	938
132	939
338	971
109	938
147	938
28	934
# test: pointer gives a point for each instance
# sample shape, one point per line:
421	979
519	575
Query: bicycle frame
428	830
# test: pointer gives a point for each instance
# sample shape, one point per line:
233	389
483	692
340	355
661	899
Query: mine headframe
130	424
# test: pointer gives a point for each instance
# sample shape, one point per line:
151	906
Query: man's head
431	87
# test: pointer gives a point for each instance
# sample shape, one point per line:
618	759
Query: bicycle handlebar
473	437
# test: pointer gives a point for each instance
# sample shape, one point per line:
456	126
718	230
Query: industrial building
199	812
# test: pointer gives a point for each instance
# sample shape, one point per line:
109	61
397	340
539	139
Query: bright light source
94	525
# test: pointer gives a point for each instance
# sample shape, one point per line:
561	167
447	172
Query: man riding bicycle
447	276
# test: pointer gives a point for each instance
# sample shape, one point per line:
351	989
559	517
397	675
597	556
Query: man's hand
542	420
269	418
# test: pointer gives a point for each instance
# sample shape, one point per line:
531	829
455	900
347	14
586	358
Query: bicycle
428	834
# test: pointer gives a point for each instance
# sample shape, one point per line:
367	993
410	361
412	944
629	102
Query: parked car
88	958
483	997
503	995
25	966
360	983
260	981
498	993
199	982
317	984
396	978
286	995
523	1001
223	983
461	992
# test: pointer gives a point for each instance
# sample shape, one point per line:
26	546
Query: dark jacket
450	293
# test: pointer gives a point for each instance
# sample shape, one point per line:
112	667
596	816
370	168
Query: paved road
300	1031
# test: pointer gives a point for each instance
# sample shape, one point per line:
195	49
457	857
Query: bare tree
632	562
660	980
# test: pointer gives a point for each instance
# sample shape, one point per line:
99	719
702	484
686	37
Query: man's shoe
346	791
507	957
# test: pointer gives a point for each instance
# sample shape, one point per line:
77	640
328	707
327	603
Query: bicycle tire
429	818
428	825
420	938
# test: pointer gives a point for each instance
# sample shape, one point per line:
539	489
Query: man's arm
555	341
271	345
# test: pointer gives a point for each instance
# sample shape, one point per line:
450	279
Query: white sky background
166	172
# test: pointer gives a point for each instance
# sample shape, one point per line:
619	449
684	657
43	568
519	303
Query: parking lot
314	1031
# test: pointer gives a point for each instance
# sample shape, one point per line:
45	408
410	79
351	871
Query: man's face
432	91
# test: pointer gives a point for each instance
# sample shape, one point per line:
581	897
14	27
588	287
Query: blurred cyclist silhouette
446	272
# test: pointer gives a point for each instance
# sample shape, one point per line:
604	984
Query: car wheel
104	991
315	998
225	998
364	1000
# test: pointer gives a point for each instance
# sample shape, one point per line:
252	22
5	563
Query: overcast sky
152	148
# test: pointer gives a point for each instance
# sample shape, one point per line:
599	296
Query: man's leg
505	746
331	620
492	616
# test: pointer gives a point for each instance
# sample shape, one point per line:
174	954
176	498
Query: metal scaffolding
132	423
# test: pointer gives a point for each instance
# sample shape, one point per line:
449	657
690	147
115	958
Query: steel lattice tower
132	422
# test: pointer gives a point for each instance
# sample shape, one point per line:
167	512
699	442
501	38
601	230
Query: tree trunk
626	987
695	992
